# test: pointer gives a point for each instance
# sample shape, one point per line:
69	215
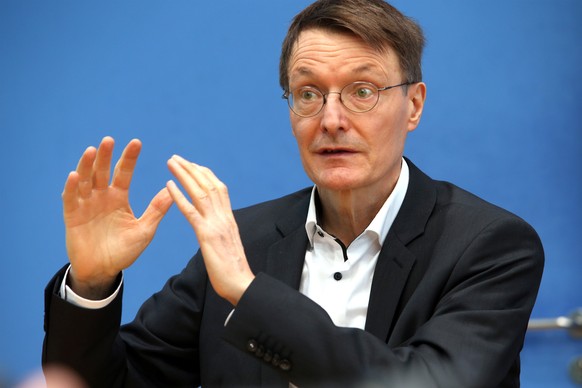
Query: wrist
93	289
238	291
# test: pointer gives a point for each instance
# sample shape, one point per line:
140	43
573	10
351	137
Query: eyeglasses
358	97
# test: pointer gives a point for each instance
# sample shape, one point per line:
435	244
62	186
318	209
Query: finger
102	164
85	172
195	171
207	181
156	210
186	173
185	207
218	186
126	165
70	193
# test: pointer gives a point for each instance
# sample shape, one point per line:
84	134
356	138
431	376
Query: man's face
342	150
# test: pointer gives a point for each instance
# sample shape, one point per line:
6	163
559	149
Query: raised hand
103	236
210	214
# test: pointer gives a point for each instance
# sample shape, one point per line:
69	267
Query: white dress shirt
70	296
339	278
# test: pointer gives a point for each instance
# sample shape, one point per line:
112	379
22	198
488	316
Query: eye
307	95
363	92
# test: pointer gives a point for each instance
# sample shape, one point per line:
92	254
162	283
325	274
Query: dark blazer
451	295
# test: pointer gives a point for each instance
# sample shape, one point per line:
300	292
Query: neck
346	214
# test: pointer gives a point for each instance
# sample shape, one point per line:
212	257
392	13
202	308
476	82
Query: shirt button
337	276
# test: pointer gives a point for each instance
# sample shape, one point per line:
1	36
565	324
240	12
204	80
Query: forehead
324	53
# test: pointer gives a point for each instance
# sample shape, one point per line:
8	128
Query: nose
333	114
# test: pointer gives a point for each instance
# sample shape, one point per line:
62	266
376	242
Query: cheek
302	130
394	124
295	122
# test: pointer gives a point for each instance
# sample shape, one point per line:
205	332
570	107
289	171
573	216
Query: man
377	275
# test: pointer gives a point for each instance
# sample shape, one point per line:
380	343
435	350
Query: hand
210	214
103	235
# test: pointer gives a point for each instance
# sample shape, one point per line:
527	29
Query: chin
338	183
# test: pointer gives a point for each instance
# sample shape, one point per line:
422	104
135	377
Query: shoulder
456	205
465	232
448	207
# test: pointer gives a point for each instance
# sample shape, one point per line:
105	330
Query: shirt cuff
66	293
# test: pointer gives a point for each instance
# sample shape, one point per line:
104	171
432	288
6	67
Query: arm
82	339
159	348
471	338
103	237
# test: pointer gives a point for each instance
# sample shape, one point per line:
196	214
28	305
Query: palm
103	231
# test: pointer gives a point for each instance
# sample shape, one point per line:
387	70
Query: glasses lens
305	101
360	96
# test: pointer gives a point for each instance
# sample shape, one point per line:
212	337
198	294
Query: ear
416	95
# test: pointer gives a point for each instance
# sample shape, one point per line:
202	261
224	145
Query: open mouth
335	151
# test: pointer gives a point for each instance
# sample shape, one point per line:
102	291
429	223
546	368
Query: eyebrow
302	71
364	68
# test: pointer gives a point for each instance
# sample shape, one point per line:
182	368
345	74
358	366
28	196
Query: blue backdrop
503	119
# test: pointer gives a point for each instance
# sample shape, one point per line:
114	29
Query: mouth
335	151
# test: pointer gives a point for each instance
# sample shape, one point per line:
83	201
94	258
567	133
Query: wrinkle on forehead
318	50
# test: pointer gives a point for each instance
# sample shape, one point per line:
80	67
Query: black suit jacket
451	295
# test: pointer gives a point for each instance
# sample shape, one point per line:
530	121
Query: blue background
503	119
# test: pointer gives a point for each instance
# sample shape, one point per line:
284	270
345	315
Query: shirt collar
383	220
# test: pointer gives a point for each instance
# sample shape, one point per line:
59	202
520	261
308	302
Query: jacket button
268	356
252	345
337	276
285	365
276	360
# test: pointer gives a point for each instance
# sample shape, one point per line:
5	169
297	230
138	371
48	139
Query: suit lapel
395	261
392	269
286	256
285	262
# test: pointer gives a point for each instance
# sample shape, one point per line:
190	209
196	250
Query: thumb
156	210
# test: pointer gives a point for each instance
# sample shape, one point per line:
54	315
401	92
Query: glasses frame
287	93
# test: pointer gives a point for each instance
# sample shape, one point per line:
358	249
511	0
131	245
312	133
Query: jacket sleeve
158	348
78	338
471	339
